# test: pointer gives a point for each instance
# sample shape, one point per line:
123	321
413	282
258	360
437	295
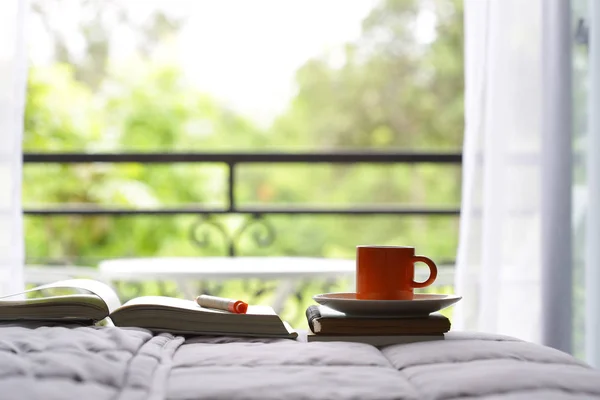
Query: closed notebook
378	341
156	313
325	321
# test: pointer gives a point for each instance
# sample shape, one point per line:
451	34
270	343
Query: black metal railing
255	214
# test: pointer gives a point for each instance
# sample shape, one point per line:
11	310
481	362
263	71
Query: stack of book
328	325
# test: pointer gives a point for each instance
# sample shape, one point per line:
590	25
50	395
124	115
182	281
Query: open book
156	313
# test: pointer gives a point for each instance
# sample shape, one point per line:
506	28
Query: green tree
392	91
149	108
97	22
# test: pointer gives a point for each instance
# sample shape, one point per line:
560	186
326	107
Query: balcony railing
232	161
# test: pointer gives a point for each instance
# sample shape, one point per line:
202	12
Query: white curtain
13	72
589	189
499	262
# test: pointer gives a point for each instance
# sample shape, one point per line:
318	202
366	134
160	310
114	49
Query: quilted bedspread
113	363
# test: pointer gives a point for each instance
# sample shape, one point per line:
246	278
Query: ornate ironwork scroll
200	231
262	232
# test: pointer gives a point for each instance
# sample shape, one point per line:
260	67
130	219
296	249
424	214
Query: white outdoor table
289	270
185	270
221	268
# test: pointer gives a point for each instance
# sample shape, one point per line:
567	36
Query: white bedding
113	363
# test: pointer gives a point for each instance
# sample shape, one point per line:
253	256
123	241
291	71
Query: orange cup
388	272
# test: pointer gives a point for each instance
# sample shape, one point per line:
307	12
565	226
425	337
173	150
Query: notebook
156	313
384	340
325	321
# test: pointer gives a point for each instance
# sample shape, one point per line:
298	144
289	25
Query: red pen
222	303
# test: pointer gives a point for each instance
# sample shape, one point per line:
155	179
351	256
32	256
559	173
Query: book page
164	301
191	305
327	312
102	290
66	299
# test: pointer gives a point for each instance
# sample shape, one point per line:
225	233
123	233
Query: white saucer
421	305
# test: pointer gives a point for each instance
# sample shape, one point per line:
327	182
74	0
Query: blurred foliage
580	110
87	48
392	91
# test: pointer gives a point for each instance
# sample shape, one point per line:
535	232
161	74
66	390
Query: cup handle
432	272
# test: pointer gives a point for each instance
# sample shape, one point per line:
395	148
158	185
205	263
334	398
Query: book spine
312	314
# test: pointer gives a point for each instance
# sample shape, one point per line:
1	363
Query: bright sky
249	57
243	52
